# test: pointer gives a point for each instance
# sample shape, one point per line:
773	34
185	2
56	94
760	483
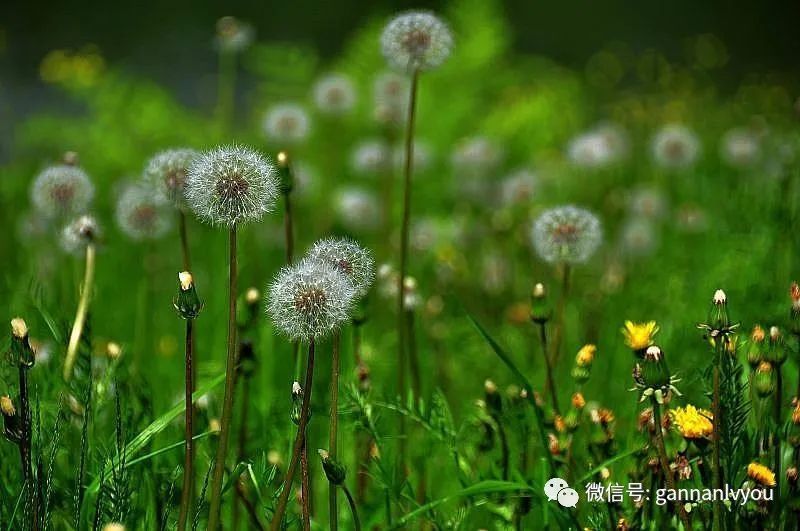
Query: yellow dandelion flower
639	336
761	474
578	401
796	414
559	423
585	355
692	423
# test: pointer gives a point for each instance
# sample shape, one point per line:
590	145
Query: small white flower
416	40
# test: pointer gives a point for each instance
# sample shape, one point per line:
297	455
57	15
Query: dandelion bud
654	372
12	423
113	526
578	402
718	315
274	458
580	374
553	444
755	351
559	424
20	343
763	380
7	406
776	351
297	403
285	173
214	426
334	471
540	308
622	524
113	350
792	475
494	402
585	355
252	296
187	303
70	158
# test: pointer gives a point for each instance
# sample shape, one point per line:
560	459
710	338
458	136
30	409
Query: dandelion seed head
638	237
567	234
80	233
62	190
233	35
309	300
391	88
371	157
740	148
286	123
350	258
232	184
167	172
142	213
675	147
357	209
421	159
476	156
416	40
518	187
335	94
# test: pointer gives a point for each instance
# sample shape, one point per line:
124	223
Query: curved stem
401	314
334	428
353	509
80	314
188	447
280	507
230	380
662	457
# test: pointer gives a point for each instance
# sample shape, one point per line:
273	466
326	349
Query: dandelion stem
80	315
25	445
777	438
305	487
716	469
188	459
334	425
401	314
353	508
662	457
230	380
550	384
280	508
558	334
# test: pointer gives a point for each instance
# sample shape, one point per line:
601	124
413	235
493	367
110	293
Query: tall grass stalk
404	230
230	379
280	507
82	311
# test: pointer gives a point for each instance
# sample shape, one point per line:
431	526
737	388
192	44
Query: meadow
403	289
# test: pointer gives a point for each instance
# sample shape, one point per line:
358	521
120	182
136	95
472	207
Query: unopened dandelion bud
585	355
776	350
553	444
20	343
494	402
285	173
718	315
113	350
214	426
334	471
559	424
578	402
187	303
755	350
113	526
794	313
571	420
763	381
580	374
540	307
622	525
12	423
70	158
792	475
297	403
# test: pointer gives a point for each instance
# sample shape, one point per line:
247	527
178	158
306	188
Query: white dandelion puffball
599	147
371	157
639	237
518	187
422	156
335	94
232	184
357	209
740	148
167	171
142	213
391	88
648	203
309	300
286	124
353	260
233	35
62	190
675	147
80	233
566	234
416	40
476	156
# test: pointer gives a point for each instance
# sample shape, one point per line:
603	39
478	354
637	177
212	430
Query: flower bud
755	351
12	423
247	361
285	173
718	315
494	402
187	303
763	380
585	355
654	372
776	350
20	343
794	314
792	475
113	350
540	307
334	471
578	402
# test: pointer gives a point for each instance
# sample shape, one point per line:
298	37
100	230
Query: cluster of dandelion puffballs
310	299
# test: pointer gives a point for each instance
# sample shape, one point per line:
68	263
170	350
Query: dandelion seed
566	234
233	35
167	172
62	190
286	124
309	300
357	209
416	40
371	157
231	185
675	147
142	213
335	94
80	233
740	148
353	260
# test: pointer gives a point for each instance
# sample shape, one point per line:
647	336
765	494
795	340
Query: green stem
280	508
777	438
716	469
550	384
80	314
188	459
230	381
305	487
353	509
401	314
664	460
334	425
560	310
